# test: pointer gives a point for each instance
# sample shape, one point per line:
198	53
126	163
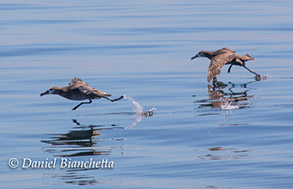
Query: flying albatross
79	90
221	57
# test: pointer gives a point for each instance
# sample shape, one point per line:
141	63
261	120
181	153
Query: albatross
221	57
79	90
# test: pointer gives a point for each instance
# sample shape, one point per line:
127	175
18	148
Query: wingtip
251	58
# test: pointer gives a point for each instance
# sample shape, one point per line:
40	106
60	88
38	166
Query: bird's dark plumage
221	57
79	90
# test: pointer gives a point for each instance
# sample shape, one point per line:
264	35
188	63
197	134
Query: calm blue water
143	49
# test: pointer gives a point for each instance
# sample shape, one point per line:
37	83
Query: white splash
135	105
137	108
229	106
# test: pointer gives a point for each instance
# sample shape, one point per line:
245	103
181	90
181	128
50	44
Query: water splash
148	113
261	77
137	108
229	106
265	77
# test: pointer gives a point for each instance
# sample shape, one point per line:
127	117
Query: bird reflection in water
81	141
78	142
225	96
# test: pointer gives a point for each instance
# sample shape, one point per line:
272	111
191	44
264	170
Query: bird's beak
44	93
194	56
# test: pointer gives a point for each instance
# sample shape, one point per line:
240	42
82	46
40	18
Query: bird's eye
50	89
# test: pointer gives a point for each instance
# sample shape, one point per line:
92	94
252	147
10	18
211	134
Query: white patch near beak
200	55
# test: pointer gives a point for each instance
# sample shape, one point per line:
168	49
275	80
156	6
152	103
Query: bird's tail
248	57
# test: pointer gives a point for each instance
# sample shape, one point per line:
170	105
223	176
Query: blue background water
143	49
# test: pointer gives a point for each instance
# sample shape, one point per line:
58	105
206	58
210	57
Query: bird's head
199	54
53	90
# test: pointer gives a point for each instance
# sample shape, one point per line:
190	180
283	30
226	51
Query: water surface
142	49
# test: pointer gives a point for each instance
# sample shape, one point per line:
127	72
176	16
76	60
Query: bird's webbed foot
257	77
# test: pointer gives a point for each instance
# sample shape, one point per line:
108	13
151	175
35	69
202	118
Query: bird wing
87	90
77	81
245	57
227	49
217	62
83	87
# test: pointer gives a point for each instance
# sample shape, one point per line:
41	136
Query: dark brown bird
79	90
221	57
